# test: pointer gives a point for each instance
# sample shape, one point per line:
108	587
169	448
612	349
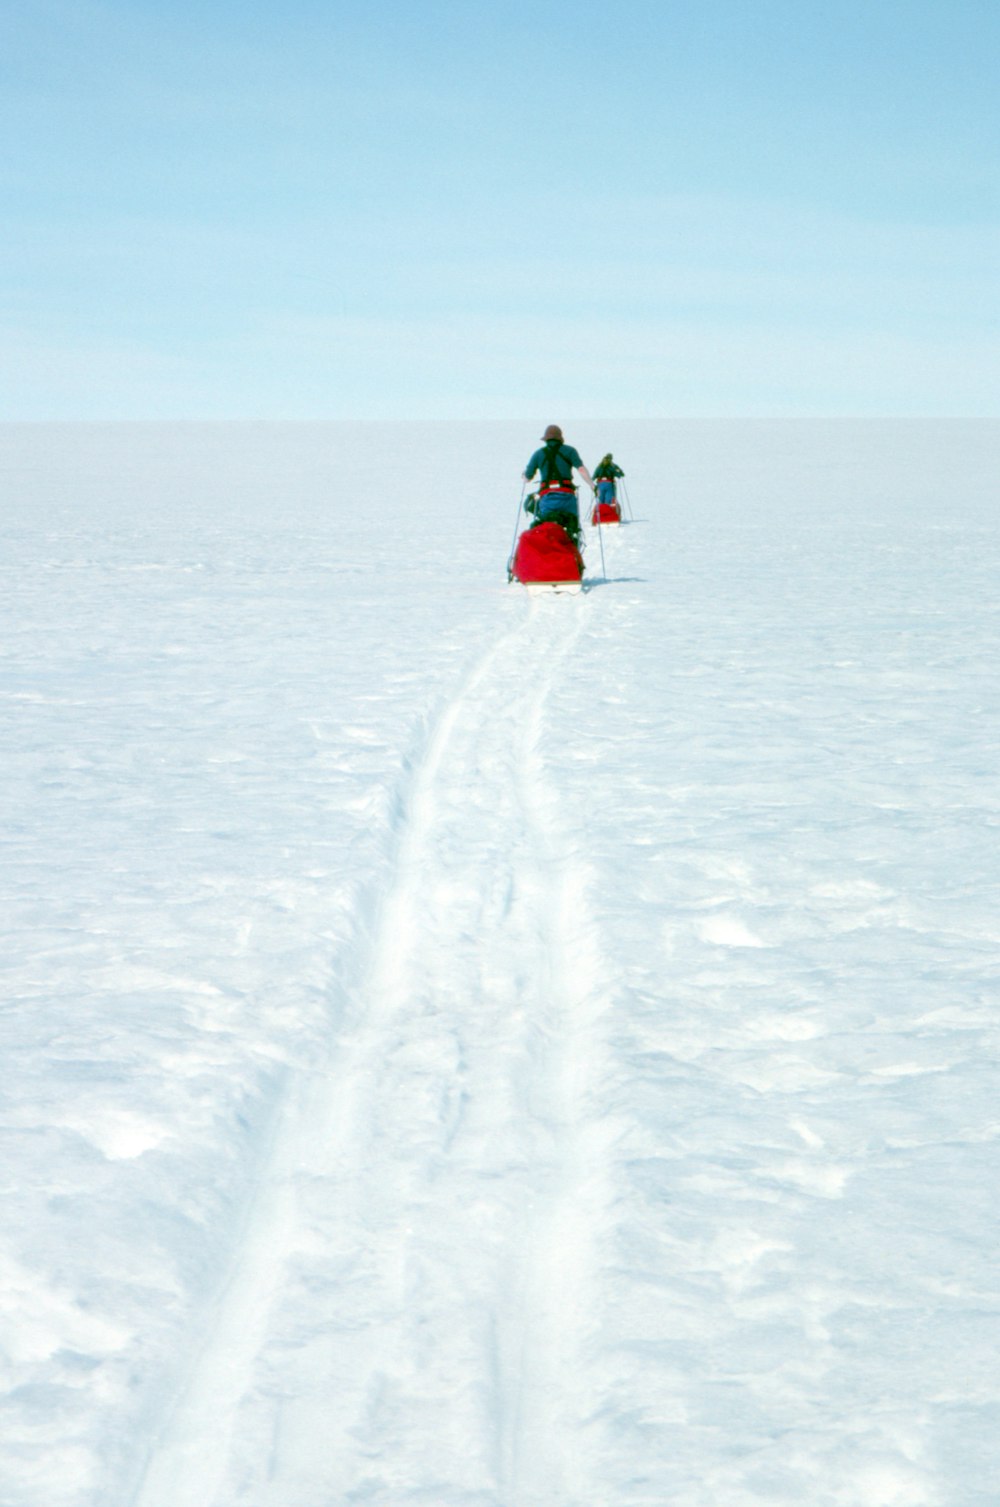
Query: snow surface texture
474	1051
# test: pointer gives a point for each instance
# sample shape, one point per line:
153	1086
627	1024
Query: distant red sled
546	556
606	512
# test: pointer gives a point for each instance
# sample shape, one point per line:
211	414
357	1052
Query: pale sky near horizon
454	209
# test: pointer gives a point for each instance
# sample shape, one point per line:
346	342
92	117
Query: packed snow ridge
473	1050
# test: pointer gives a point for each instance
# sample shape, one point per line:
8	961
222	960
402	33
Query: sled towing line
545	559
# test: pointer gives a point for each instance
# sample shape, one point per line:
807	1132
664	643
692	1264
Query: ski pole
628	503
517	525
600	540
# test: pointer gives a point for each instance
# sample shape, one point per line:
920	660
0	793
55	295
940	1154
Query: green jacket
607	471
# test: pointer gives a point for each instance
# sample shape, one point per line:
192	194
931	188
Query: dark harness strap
552	476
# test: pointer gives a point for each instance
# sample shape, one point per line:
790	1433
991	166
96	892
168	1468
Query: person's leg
564	512
557	502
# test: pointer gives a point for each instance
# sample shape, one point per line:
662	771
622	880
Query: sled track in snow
407	1316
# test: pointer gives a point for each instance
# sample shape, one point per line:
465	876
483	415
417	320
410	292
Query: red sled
547	558
606	512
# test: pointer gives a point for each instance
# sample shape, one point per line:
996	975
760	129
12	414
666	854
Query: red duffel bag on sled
546	556
606	512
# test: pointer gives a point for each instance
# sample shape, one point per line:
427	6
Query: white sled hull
547	588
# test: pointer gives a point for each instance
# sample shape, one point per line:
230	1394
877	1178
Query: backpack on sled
606	512
546	557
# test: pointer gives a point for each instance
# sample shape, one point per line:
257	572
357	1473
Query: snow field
809	1194
465	1049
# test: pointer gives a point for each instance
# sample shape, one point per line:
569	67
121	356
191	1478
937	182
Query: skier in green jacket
606	474
554	464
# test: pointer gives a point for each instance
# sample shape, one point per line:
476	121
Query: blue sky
321	210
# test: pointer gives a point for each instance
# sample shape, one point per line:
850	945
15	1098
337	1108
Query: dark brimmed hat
553	432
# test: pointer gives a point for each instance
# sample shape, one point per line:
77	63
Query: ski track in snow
482	972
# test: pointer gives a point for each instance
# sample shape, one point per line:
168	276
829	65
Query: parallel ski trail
417	1265
553	1309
